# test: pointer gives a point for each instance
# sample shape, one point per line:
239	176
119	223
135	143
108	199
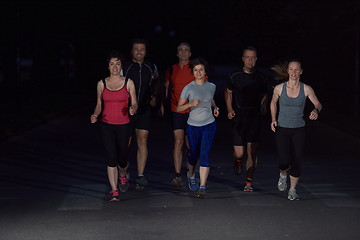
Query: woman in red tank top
112	106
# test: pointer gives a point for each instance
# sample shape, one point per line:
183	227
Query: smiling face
294	70
115	66
138	52
199	71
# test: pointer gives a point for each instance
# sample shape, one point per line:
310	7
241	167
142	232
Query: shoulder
101	82
236	74
130	81
100	85
264	72
149	64
127	67
210	84
307	89
278	88
189	85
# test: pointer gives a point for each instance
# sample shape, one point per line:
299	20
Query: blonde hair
281	71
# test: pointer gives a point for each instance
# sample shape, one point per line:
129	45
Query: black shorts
179	120
246	127
141	120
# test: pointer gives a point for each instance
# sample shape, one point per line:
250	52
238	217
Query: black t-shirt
247	89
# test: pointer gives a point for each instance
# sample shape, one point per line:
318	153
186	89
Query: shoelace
114	193
123	180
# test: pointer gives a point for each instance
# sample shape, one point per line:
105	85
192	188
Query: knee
238	155
142	141
178	143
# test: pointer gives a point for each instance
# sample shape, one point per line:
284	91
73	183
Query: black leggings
290	145
116	140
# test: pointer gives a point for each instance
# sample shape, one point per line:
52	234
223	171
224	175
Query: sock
283	176
191	177
202	187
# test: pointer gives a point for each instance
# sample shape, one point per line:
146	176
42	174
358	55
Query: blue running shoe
193	186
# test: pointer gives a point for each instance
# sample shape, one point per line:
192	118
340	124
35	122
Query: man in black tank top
245	98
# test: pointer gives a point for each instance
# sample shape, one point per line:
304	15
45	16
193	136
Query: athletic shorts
141	121
246	127
179	120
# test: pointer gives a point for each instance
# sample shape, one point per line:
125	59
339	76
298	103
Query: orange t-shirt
179	78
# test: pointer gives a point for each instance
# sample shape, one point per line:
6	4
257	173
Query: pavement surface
53	183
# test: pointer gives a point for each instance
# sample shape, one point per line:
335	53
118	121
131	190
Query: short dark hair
139	41
198	61
250	48
184	44
115	54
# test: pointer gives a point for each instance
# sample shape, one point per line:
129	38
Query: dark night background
52	53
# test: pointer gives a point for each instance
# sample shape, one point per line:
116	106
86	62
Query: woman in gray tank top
289	125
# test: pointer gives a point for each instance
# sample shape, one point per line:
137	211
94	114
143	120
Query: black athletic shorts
141	120
246	127
179	120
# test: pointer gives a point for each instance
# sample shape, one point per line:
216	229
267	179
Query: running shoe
238	167
292	195
141	182
193	186
201	193
177	182
124	184
282	186
248	186
114	196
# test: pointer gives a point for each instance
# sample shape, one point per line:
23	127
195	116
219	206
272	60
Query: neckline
116	89
287	93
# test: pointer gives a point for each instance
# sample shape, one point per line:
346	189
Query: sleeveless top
291	110
115	105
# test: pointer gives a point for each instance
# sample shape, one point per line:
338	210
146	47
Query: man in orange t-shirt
177	77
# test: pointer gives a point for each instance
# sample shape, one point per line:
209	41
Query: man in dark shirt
245	97
143	73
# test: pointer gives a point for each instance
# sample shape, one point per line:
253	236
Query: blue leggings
200	140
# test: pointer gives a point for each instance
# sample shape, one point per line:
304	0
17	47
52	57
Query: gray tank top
291	110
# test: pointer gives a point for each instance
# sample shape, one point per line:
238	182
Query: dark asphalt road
53	183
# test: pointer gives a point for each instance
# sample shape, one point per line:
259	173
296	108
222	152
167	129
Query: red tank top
115	104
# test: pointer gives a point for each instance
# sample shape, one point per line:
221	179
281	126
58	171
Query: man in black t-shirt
245	97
